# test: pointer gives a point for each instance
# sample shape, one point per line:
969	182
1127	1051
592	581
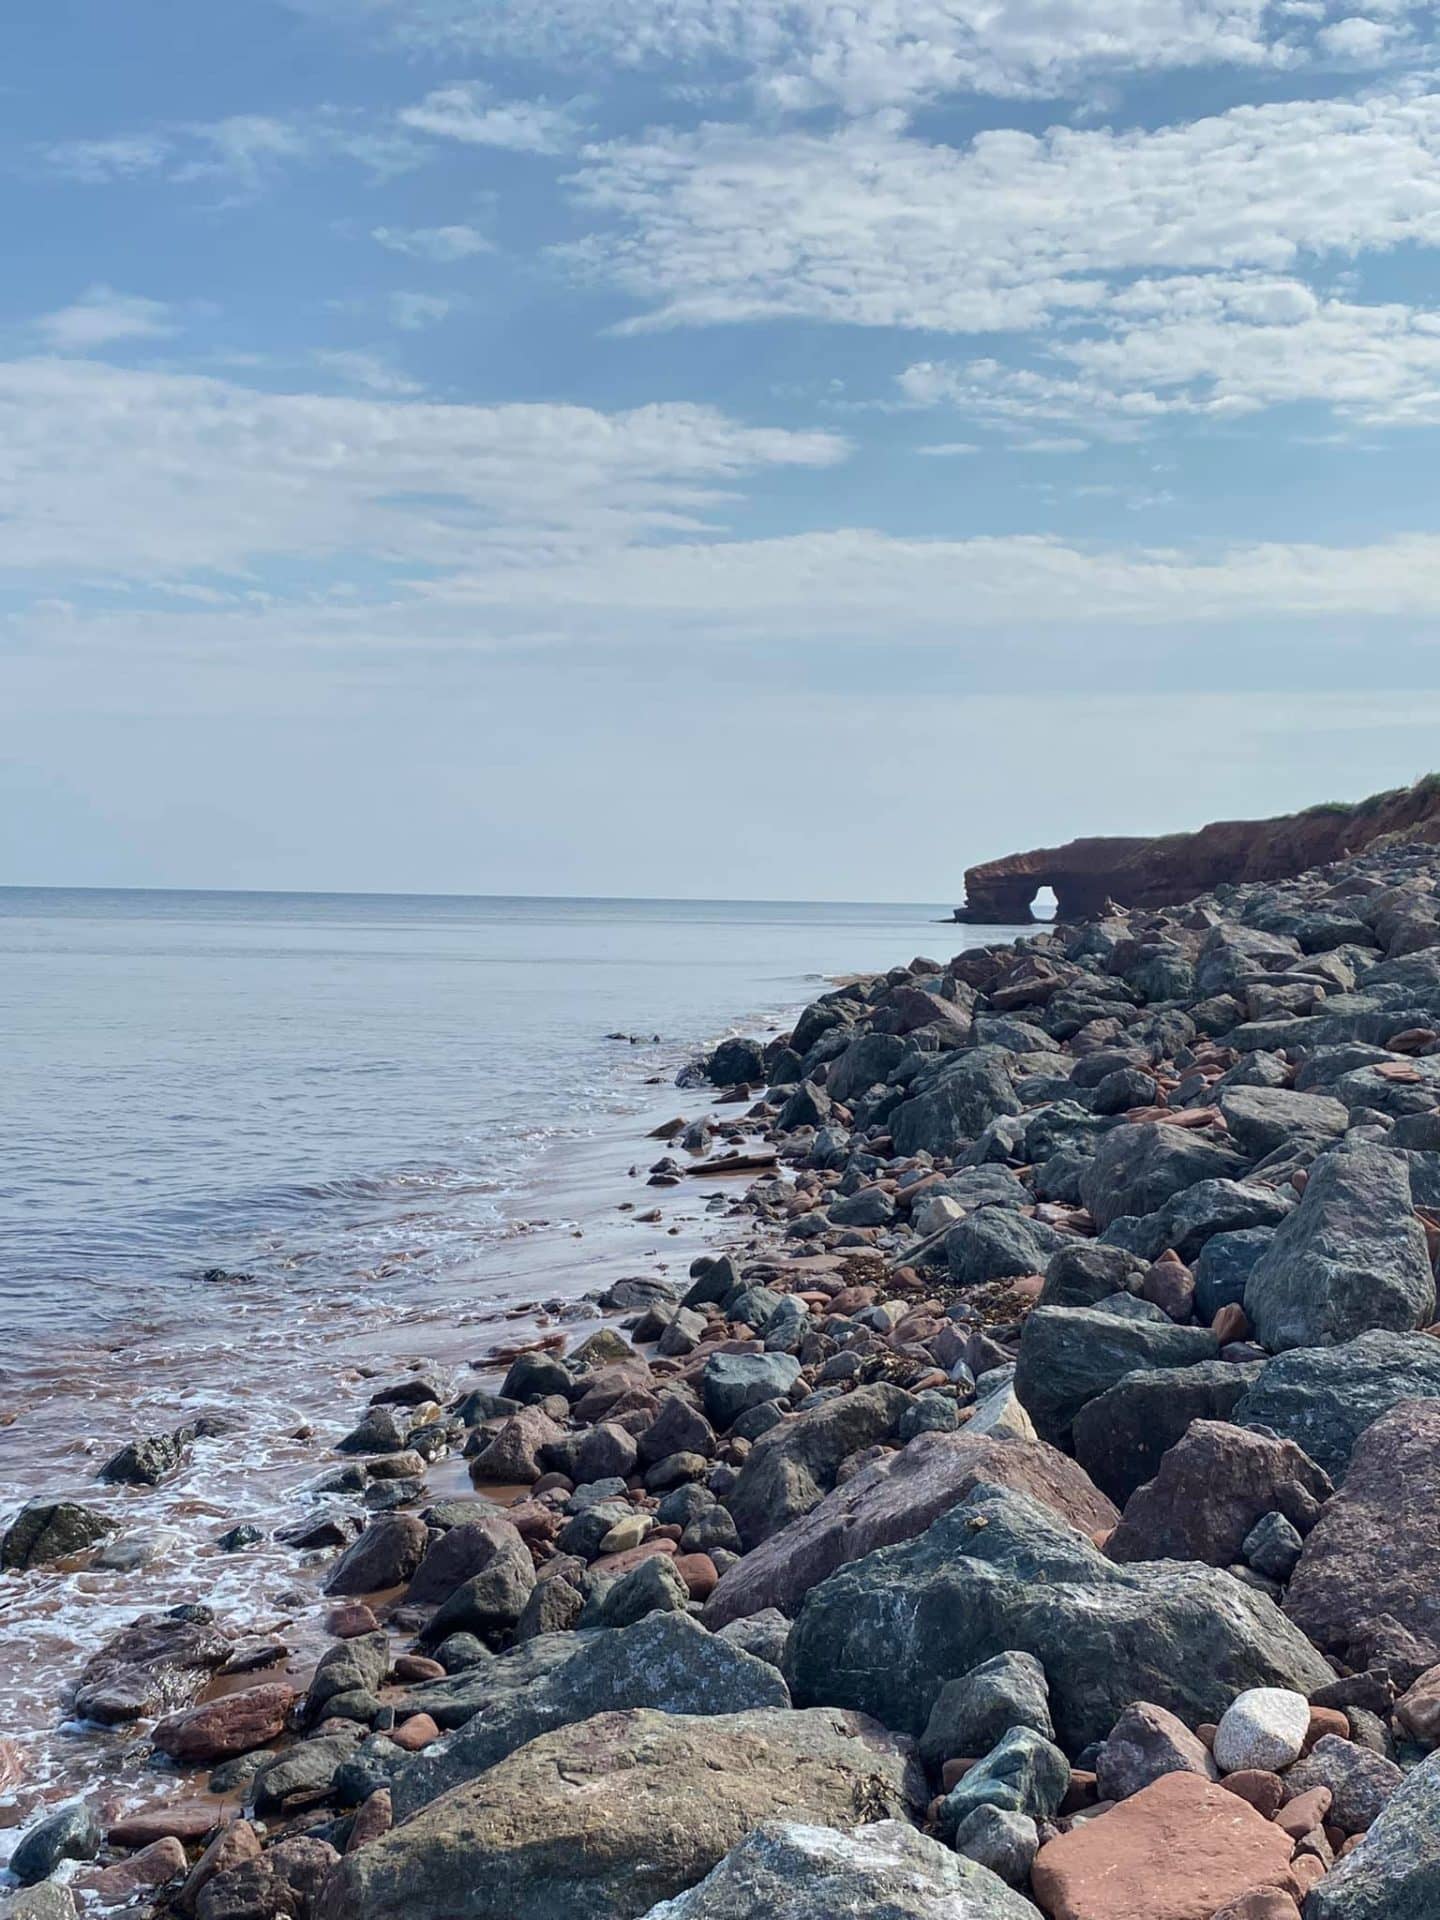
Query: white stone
1264	1728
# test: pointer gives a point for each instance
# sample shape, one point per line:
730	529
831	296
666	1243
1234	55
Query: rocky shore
1030	1508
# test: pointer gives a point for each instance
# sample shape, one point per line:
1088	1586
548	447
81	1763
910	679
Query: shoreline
959	1299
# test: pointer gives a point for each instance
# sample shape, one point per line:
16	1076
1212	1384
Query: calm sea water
397	1125
324	1084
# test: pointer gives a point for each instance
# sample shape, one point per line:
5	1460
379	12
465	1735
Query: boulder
884	1871
1121	1436
1144	1745
1070	1355
968	1095
973	1713
792	1467
1177	1850
666	1662
1137	1168
235	1723
157	1664
463	1551
1375	1553
1323	1398
1394	1874
1262	1730
1264	1119
737	1062
1022	1773
997	1242
50	1530
1209	1491
1192	1218
1000	1573
1351	1259
602	1820
893	1499
385	1555
72	1832
732	1382
1360	1783
513	1455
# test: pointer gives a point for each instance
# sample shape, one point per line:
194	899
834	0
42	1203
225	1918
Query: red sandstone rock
1265	1903
235	1723
1263	1791
413	1667
1304	1813
1175	1851
1418	1710
350	1621
1325	1720
698	1572
154	1866
374	1817
230	1848
416	1733
180	1820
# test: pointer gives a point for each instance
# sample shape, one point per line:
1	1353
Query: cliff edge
1175	867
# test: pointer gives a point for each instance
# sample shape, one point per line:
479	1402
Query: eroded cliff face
1176	867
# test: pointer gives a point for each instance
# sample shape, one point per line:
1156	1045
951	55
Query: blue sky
766	447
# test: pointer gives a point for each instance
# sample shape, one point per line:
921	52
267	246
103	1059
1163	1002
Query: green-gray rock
602	1820
50	1530
998	1573
1071	1355
1394	1874
1351	1259
666	1661
886	1871
1323	1398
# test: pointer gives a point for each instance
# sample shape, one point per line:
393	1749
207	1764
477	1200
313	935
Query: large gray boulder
966	1096
602	1820
1001	1573
1070	1355
1264	1119
885	1871
1323	1398
1394	1874
731	1383
997	1242
1352	1258
666	1661
1121	1436
1190	1219
893	1499
792	1467
1137	1168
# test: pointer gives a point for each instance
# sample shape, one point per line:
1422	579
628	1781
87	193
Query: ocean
258	1148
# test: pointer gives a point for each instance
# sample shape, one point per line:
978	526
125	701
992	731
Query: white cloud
97	162
368	371
474	115
1213	347
870	227
415	311
949	449
441	245
151	475
1364	42
101	317
245	151
802	53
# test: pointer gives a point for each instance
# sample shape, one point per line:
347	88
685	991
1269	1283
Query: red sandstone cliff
1177	866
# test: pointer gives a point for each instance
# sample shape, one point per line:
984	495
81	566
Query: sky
739	448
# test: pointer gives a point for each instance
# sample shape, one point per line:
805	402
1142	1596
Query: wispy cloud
440	245
478	117
802	54
101	317
245	152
